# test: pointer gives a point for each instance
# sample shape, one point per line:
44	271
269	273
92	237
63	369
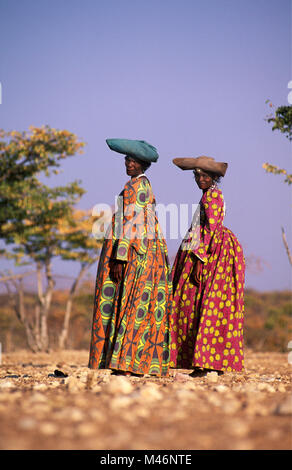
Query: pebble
73	384
185	395
214	399
239	427
179	377
27	424
231	406
151	392
212	377
6	384
97	415
37	397
221	388
75	414
266	387
96	388
118	403
40	387
284	408
119	384
141	412
49	429
86	429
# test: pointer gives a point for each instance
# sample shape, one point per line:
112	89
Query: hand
197	272
116	270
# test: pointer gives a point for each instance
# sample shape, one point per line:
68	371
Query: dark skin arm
117	270
197	272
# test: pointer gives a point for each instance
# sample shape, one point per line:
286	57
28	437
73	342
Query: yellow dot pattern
207	319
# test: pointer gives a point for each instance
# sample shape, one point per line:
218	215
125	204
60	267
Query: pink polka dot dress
207	318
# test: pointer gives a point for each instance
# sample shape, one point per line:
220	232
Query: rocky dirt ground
95	410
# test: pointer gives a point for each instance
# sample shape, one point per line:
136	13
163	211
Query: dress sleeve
211	224
135	199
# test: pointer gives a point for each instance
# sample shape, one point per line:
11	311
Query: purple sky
191	77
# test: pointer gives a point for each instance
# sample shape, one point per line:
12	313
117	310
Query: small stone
191	385
38	398
86	429
231	406
142	412
73	384
151	392
27	424
257	409
239	428
214	399
179	377
76	414
49	429
221	388
118	403
97	415
40	387
55	384
285	408
184	395
265	387
96	388
119	384
212	377
6	384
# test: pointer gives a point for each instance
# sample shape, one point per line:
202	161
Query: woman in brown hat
208	282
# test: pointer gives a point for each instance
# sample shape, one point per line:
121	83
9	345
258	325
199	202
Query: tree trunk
45	306
65	330
17	302
44	303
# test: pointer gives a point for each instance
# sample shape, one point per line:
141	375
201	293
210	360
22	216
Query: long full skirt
207	320
131	320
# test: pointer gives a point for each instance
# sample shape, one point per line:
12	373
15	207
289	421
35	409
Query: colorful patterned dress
131	320
207	319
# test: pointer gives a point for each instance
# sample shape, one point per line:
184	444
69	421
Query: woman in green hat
133	294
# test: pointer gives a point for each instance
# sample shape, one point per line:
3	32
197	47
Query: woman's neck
138	176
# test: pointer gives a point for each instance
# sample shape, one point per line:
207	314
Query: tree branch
286	246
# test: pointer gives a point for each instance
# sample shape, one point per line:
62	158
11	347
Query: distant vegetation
268	325
268	320
40	222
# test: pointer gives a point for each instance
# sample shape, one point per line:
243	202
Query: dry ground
95	410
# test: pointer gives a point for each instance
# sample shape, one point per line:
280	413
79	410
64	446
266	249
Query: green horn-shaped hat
134	148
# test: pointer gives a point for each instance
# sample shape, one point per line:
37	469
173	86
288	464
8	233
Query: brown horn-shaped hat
203	162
